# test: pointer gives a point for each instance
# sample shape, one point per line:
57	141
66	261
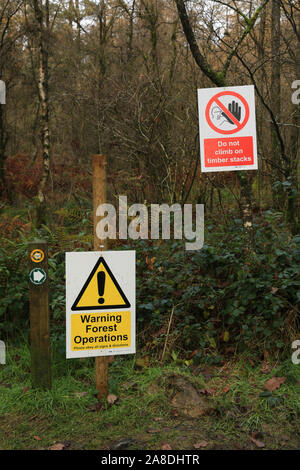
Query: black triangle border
99	307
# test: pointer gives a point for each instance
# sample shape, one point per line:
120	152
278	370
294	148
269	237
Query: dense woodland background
120	78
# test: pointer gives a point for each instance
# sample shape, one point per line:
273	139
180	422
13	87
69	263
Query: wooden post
99	197
39	315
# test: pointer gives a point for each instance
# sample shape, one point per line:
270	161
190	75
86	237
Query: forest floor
237	405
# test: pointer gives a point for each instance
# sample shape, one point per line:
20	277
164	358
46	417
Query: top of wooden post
37	242
98	160
99	193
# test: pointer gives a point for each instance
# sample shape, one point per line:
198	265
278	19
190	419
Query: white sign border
79	265
204	96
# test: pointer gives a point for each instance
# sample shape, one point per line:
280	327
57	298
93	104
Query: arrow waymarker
37	276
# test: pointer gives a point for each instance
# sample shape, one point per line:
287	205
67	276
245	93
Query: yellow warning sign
100	303
101	290
100	330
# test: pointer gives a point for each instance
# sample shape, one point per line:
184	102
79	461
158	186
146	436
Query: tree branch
218	78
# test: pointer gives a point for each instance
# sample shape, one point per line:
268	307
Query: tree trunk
293	206
2	153
260	109
219	79
42	19
278	192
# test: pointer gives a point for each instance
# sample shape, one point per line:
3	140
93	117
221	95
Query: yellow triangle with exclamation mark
101	290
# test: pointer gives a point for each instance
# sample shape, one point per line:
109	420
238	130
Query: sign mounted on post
100	303
227	127
40	350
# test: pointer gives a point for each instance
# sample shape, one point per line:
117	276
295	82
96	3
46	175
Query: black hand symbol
235	110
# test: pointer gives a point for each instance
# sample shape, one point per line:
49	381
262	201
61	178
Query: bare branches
250	25
291	11
215	77
218	78
7	13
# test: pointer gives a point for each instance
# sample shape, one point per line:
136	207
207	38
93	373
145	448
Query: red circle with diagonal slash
215	99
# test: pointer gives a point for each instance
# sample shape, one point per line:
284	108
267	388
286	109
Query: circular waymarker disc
37	276
37	255
238	123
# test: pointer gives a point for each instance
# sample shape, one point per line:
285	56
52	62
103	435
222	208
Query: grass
240	406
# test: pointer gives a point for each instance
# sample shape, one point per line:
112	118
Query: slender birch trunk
41	12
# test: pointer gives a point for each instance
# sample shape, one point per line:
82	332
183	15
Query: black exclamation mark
101	284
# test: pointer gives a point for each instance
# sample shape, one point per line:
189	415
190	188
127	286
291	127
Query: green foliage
13	286
69	413
224	297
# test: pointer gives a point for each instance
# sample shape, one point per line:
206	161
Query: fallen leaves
274	383
257	442
111	398
166	447
200	444
58	446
